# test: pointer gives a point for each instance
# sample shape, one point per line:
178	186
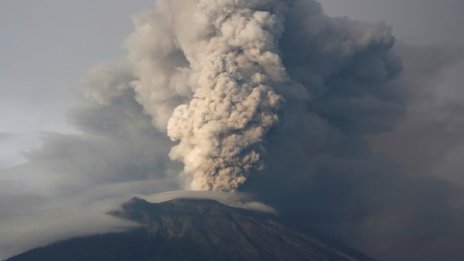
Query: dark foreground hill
195	230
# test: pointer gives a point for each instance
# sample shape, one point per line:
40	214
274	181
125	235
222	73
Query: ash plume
219	76
222	59
272	98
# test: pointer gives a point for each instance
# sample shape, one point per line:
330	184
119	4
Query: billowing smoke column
210	79
226	78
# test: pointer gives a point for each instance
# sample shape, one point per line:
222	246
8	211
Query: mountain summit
187	229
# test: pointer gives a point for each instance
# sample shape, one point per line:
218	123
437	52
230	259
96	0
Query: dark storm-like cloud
324	171
433	127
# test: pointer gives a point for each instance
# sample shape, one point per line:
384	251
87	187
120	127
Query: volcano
193	229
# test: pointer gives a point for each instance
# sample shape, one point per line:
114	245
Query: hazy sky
46	47
414	21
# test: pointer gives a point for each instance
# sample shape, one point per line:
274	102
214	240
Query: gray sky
46	47
414	21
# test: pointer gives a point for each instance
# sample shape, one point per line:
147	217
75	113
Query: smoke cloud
309	113
71	181
221	77
212	83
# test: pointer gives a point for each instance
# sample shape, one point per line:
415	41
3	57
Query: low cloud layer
12	145
71	181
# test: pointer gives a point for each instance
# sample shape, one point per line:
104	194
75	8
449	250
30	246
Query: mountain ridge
196	229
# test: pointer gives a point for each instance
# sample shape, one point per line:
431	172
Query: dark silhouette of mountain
187	229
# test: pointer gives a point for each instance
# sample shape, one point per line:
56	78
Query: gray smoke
212	75
324	172
69	183
277	99
211	81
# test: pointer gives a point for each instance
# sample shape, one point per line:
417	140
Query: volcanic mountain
188	229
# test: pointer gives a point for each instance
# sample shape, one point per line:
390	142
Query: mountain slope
196	230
